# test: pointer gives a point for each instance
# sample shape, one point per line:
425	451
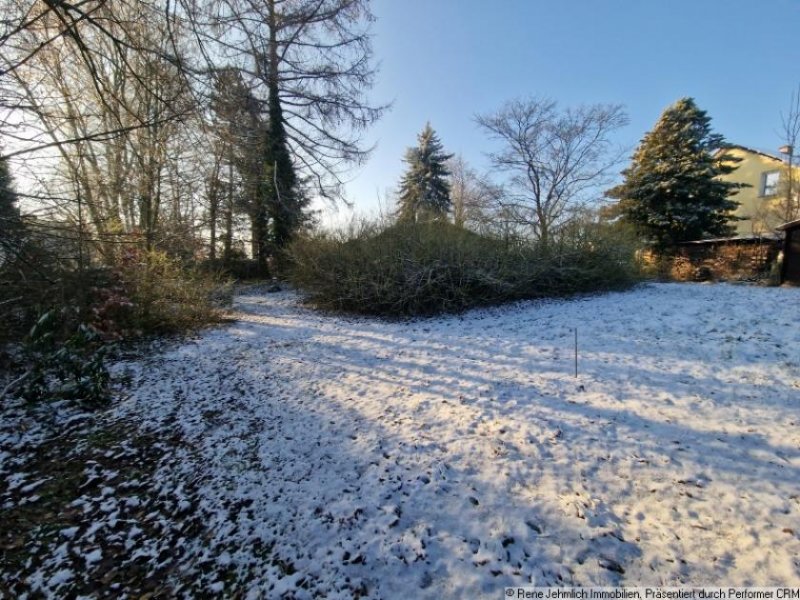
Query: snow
450	457
93	557
60	578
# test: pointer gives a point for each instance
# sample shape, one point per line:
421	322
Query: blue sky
443	61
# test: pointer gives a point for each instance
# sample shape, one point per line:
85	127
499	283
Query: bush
422	269
166	296
236	268
77	313
64	369
30	281
145	293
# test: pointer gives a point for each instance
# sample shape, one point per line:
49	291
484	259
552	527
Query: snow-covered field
323	456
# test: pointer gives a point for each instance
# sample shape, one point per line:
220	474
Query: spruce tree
672	192
274	198
424	189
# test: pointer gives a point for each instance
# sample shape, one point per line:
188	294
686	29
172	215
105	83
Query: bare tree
474	197
317	56
556	160
95	33
116	96
127	182
788	206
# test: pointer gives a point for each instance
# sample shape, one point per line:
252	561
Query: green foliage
259	149
235	268
65	369
282	202
242	132
12	230
429	268
9	213
671	191
424	189
26	268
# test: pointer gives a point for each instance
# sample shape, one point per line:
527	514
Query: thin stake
576	352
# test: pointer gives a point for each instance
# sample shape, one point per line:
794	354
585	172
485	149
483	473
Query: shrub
146	293
81	311
427	268
70	369
30	280
166	296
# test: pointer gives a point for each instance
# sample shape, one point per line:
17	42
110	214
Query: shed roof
789	225
733	239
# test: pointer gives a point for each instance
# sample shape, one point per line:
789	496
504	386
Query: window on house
769	183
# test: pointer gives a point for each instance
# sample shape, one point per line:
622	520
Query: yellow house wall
753	209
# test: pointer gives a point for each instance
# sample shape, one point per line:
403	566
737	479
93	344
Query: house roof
751	150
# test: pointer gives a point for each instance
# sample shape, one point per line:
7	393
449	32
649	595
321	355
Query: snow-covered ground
336	457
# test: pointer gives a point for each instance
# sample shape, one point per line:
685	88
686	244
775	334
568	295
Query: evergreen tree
10	222
8	199
283	199
424	189
672	191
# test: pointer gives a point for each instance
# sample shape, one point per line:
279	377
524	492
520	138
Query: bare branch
553	159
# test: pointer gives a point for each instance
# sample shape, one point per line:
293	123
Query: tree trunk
227	242
212	217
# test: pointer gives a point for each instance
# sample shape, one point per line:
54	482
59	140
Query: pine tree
672	191
424	189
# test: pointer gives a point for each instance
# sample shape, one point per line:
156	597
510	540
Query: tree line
204	129
556	162
180	125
